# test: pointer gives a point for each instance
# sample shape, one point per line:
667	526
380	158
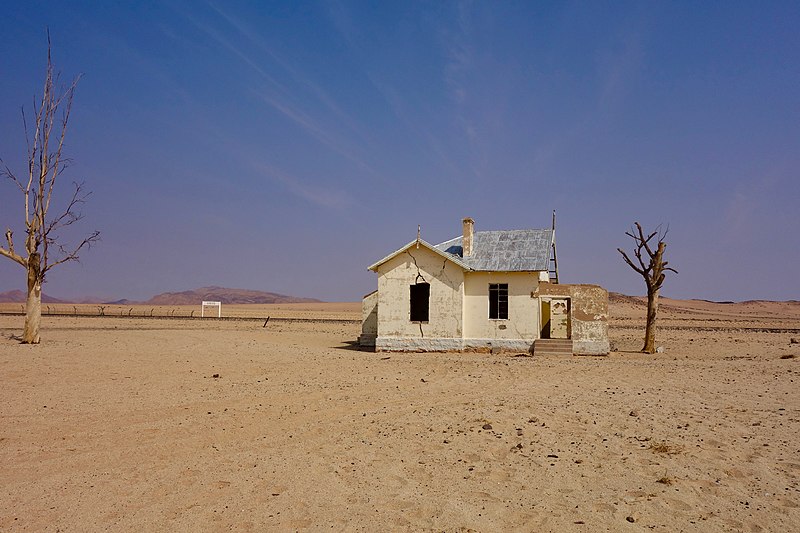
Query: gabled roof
454	258
525	250
505	251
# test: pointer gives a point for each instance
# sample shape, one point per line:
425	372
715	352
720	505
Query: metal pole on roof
554	259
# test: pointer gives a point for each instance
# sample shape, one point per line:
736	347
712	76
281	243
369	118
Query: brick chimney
466	243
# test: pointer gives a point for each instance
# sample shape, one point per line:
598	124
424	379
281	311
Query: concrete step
552	347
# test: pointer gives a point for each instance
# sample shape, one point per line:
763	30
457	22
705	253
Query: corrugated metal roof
504	251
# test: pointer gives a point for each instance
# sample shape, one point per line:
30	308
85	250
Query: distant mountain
191	297
224	295
124	301
19	297
617	298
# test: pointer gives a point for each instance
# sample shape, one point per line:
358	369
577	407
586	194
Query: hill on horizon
19	297
190	297
617	298
226	296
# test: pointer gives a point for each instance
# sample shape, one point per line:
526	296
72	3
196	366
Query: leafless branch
73	255
69	216
68	94
630	263
14	257
8	173
10	253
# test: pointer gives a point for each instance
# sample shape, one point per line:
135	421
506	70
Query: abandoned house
483	290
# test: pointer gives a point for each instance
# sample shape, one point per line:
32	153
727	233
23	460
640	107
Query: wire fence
160	312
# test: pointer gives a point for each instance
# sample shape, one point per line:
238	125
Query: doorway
555	318
545	332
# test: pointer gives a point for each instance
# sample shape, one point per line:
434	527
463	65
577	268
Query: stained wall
523	309
446	281
589	315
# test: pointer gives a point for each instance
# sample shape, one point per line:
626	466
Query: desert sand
144	424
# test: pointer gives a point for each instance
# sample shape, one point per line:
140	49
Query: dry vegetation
117	423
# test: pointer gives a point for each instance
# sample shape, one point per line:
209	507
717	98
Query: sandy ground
120	424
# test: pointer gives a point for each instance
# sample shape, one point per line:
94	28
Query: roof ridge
495	249
460	237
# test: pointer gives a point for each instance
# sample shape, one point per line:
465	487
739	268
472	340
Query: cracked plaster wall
447	287
589	319
559	319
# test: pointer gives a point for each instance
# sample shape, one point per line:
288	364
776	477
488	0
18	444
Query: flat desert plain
145	424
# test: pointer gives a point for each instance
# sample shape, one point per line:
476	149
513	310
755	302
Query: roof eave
449	257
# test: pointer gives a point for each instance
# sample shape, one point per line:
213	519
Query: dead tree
652	267
43	248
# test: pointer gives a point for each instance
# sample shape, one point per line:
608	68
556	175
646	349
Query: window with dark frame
498	301
420	302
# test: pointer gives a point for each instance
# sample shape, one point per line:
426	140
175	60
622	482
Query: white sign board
205	304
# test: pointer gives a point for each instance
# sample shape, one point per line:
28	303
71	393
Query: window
420	302
498	301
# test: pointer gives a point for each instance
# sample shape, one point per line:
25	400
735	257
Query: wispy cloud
743	212
401	110
458	50
257	42
220	39
343	23
458	54
320	196
281	97
617	69
458	58
313	128
459	65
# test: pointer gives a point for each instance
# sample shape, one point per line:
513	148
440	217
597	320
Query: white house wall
523	310
369	319
444	328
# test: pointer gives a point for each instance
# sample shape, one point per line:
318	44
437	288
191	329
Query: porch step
552	347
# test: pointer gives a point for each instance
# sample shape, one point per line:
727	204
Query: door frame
549	300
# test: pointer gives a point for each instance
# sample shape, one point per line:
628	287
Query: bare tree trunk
33	305
45	141
652	312
653	271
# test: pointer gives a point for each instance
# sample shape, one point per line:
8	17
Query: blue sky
286	146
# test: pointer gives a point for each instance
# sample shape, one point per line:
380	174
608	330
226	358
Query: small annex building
483	290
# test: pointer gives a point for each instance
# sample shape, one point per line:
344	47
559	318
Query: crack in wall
419	272
446	306
515	326
416	281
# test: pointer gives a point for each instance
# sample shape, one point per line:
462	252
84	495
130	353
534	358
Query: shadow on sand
353	346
